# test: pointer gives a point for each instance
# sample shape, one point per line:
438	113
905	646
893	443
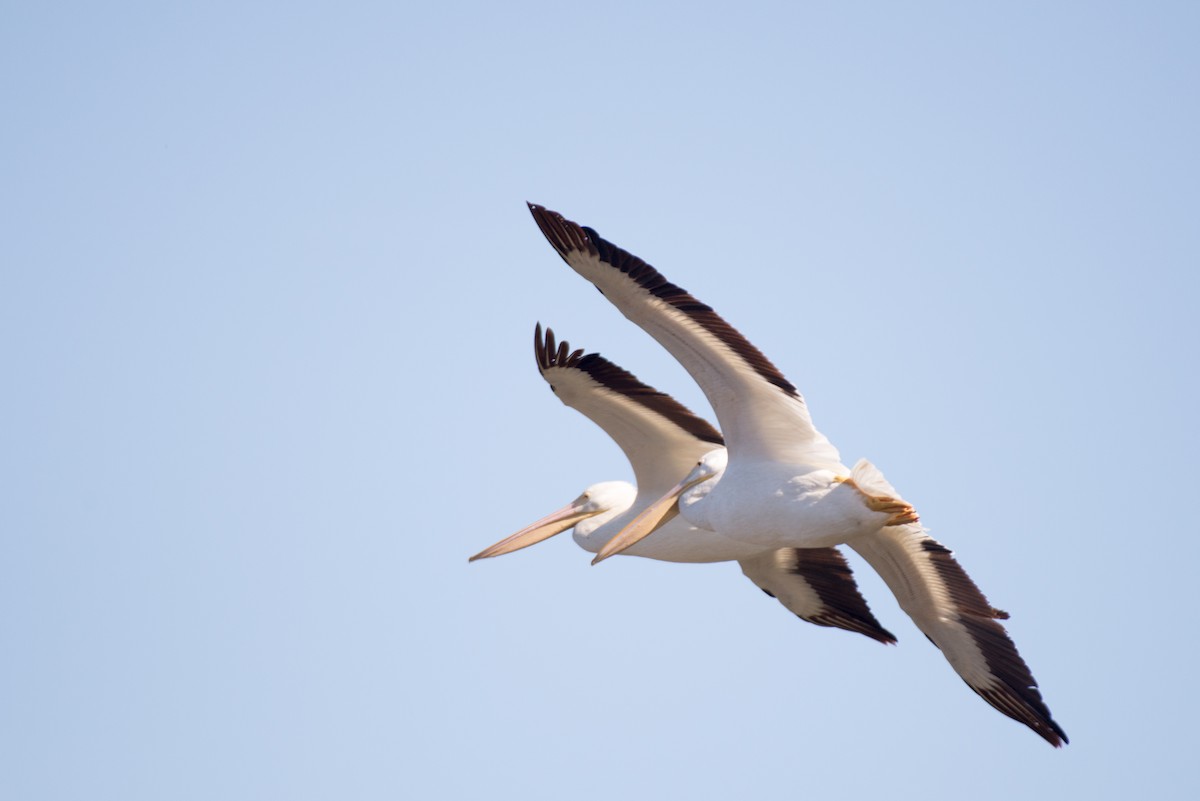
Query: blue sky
269	290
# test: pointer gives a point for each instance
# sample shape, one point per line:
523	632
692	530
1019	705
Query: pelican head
597	505
694	486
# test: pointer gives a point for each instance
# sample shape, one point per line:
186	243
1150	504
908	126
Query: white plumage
662	440
783	484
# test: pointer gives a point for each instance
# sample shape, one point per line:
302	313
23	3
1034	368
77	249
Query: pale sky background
269	286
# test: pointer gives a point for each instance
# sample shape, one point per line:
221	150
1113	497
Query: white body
678	540
815	509
662	441
785	485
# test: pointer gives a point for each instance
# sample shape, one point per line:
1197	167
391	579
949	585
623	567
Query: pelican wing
817	585
951	611
759	410
661	438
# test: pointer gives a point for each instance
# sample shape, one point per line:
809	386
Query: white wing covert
661	438
761	412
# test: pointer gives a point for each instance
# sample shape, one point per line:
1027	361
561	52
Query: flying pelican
781	483
662	440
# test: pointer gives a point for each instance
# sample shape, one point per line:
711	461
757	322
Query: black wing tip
562	234
1051	732
877	633
829	575
1028	709
568	237
866	626
1047	728
551	353
1015	694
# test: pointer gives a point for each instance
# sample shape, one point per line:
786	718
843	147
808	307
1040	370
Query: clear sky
269	287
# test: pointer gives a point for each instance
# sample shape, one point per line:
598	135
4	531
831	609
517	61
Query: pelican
662	440
781	483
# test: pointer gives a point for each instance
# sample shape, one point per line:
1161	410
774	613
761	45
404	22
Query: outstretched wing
759	410
947	606
818	586
661	438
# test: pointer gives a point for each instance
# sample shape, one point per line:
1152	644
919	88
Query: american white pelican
781	483
662	440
